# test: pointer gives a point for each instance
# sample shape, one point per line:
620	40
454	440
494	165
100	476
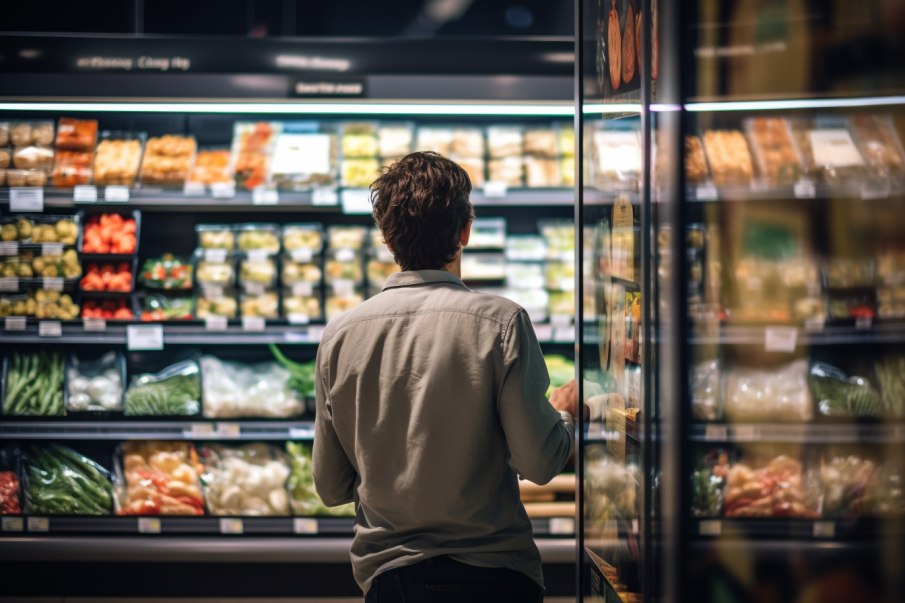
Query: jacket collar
420	277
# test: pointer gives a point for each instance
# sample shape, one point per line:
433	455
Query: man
430	405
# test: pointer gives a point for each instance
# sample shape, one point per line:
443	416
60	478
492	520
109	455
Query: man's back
430	400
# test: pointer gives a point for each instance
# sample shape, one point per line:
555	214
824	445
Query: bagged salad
97	384
176	390
235	389
246	480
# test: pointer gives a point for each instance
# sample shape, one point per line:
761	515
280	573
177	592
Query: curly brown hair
421	206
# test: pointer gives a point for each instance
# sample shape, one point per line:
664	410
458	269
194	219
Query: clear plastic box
216	236
729	157
300	272
76	134
258	238
302	308
31	132
526	248
303	241
214	271
346	237
541	142
306	156
265	304
778	160
395	139
258	272
343	265
505	141
435	138
483	266
467	142
488	233
210	302
118	158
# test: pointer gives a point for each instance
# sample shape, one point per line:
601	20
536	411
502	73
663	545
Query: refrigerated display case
161	306
739	238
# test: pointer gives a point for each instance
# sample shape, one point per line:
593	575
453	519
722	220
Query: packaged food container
235	389
4	133
157	307
174	391
340	300
118	308
474	167
260	238
467	142
257	273
114	232
95	385
524	275
167	272
508	170
118	158
18	304
541	142
436	139
183	469
266	304
483	266
216	236
214	271
76	134
33	384
729	157
615	157
880	146
379	272
343	265
168	160
212	167
890	302
33	157
848	273
73	168
306	156
252	149
566	135
560	238
18	177
6	157
299	308
560	276
303	241
359	173
25	133
26	229
346	237
210	302
505	141
249	479
359	139
828	149
488	233
525	248
562	302
395	139
695	161
777	158
300	272
29	265
542	173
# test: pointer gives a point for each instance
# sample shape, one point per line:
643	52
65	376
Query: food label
215	323
298	319
26	199
302	154
229	430
745	433
564	335
315	334
780	339
706	192
254	288
345	255
223	190
834	148
253	323
710	527
863	323
38	524
84	193
356	201
9	284
95	324
52	249
495	189
715	433
561	320
149	525
231	526
50	328
15	323
804	189
562	526
264	196
325	196
344	287
12	524
301	433
9	248
302	254
543	332
193	189
53	283
824	529
814	324
304	525
116	194
217	256
302	289
144	337
257	255
199	430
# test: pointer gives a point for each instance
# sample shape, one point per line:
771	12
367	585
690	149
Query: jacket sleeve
540	441
334	475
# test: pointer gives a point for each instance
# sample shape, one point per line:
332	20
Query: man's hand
565	398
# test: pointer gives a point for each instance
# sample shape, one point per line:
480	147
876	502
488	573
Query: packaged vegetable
264	238
19	304
248	480
167	272
346	237
174	391
300	307
54	305
298	272
210	302
158	478
266	304
210	271
260	272
39	229
160	307
777	489
838	395
236	389
110	233
774	394
302	495
215	236
890	378
108	309
106	277
303	241
76	134
301	375
28	265
60	481
95	385
34	384
708	484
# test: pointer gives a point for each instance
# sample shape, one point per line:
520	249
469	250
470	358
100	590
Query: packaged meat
158	478
210	302
395	139
118	158
163	307
167	272
211	167
34	384
777	489
174	391
777	158
76	134
216	236
253	145
95	385
54	305
24	133
73	168
236	389
729	157
306	156
265	304
505	141
303	497
59	481
259	238
168	160
774	394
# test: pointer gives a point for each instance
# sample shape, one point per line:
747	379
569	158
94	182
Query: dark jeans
443	580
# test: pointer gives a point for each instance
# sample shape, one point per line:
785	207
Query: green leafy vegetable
174	391
61	481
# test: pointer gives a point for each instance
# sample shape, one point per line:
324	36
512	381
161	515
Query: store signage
143	62
316	87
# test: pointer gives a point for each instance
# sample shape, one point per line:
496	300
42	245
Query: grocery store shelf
803	433
814	530
802	190
826	335
136	429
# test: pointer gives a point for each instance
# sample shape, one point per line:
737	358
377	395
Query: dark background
263	18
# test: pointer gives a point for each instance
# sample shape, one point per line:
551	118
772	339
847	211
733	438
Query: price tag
149	525
144	337
301	255
710	527
53	283
254	288
199	430
38	524
9	248
223	190
217	256
543	332
495	189
564	334
95	324
706	192
212	291
50	328
344	255
562	525
9	284
229	430
12	524
356	201
804	189
875	190
746	433
52	249
193	189
302	289
264	196
315	334
253	323
298	319
814	324
257	255
15	323
116	194
215	323
863	323
301	433
635	526
26	198
230	525
344	287
716	433
325	196
304	525
780	339
561	320
824	529
84	193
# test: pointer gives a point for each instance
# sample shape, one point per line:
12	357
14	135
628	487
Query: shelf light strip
814	103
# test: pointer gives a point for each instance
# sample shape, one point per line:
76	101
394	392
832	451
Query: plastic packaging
467	142
562	302
300	272
559	236
542	173
73	168
340	301
559	276
18	304
615	157
483	266
108	309
26	178
346	237
709	484
259	238
705	391
436	139
24	133
245	481
301	308
695	162
379	272
95	385
209	271
474	167
167	272
174	391
306	156
828	149
34	157
880	146
540	142
488	233
108	277
257	272
395	139
838	395
4	133
777	489
522	275
113	233
60	481
40	229
505	141
729	157
253	145
158	478
847	273
359	173
359	139
777	158
215	236
303	497
236	389
265	304
508	170
211	167
303	241
342	265
775	394
118	158
33	384
76	134
209	302
156	307
29	265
